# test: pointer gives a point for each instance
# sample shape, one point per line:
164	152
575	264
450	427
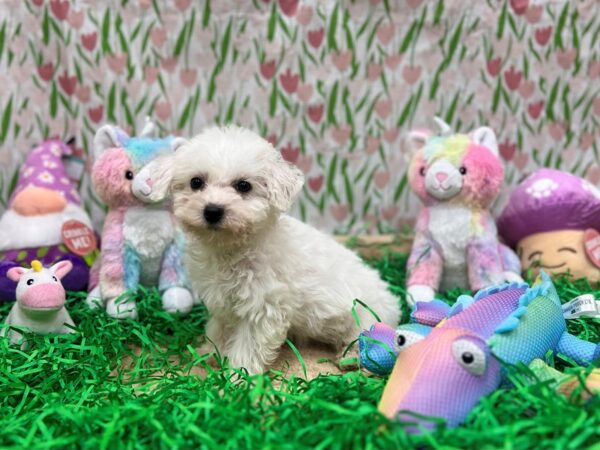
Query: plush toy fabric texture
141	243
43	200
457	177
546	219
513	323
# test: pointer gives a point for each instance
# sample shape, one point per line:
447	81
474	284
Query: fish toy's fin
499	288
430	313
462	303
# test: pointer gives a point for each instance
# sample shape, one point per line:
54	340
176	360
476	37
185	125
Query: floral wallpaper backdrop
335	85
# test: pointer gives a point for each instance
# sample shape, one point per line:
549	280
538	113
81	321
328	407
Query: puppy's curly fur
263	275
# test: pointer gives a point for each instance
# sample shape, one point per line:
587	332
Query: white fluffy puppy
262	275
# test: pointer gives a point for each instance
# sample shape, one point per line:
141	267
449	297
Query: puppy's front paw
250	362
122	309
177	300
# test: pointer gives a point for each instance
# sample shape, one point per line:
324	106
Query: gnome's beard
17	231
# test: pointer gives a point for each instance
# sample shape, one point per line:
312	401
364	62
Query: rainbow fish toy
450	357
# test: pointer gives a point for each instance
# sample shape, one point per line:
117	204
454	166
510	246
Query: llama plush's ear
177	143
16	273
61	268
150	129
107	137
486	137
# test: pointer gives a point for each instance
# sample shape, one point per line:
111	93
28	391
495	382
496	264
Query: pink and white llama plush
40	305
141	243
457	177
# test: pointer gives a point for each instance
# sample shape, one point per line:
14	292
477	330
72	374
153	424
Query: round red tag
78	237
591	243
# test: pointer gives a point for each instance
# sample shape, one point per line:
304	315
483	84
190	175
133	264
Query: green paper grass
135	385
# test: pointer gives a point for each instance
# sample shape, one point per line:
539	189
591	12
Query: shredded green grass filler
96	389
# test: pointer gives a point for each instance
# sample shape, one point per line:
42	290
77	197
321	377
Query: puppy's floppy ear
284	182
108	136
486	137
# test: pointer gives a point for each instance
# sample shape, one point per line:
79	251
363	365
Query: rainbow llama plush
140	242
457	177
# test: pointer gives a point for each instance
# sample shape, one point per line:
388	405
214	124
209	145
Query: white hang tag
584	305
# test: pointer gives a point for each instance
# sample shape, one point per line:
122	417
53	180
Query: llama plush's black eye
242	186
55	279
463	170
422	171
129	175
30	282
196	183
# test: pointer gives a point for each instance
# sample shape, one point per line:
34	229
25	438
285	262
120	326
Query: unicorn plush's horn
36	265
445	129
149	129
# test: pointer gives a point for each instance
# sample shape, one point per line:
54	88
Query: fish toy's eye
469	356
405	338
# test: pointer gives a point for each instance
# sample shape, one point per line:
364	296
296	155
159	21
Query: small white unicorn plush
40	305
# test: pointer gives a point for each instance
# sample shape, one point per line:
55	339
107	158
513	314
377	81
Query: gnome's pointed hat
44	168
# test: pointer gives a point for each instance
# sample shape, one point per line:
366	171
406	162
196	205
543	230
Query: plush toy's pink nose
43	296
441	176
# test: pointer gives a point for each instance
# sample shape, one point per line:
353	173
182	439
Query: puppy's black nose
213	213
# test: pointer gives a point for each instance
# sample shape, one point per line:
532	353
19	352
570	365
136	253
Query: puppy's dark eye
30	282
422	171
197	183
463	170
242	186
129	175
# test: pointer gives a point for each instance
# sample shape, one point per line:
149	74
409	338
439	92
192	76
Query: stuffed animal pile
440	364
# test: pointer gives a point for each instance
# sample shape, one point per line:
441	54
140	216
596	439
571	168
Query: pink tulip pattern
334	86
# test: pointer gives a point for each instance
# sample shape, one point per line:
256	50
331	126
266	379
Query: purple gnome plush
33	227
